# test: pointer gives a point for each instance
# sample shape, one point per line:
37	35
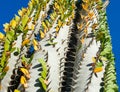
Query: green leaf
18	50
10	35
43	84
99	64
24	59
13	49
24	20
44	66
7	45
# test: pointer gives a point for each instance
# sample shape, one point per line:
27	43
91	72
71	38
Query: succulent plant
58	46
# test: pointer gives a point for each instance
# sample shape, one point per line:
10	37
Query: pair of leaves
35	44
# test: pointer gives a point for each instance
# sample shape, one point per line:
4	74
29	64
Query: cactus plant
58	46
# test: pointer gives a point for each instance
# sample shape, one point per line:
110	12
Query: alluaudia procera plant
58	46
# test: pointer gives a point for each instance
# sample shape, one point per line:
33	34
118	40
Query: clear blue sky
8	8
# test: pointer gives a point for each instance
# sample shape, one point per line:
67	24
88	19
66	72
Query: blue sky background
8	8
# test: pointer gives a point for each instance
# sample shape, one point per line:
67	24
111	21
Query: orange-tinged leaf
26	27
26	41
0	86
98	69
85	7
46	82
86	1
94	26
85	31
73	6
27	66
80	26
82	40
57	29
99	7
6	69
82	16
42	35
91	14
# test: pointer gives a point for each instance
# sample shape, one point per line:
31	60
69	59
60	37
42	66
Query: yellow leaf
23	81
26	72
42	35
16	90
85	7
57	29
44	25
73	15
6	69
56	5
98	69
1	36
35	42
36	47
52	17
59	23
32	26
26	41
33	2
45	31
93	59
17	18
13	23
